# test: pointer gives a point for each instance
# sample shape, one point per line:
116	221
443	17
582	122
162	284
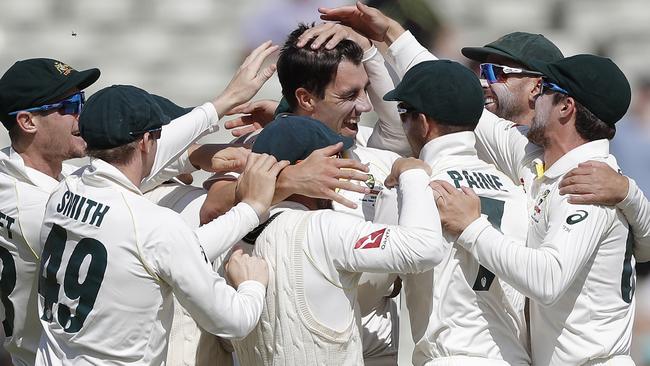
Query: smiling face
511	98
58	134
344	100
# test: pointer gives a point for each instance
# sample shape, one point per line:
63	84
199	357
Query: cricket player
355	76
317	256
112	259
40	104
460	312
580	276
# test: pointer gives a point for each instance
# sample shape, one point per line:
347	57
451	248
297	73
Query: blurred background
188	51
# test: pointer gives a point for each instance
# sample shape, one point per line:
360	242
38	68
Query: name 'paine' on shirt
476	180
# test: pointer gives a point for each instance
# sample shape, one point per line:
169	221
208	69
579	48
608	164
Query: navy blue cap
293	138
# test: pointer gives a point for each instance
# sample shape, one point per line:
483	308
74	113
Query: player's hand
243	267
321	175
256	116
230	159
256	185
248	79
594	182
218	158
401	165
457	207
368	21
331	34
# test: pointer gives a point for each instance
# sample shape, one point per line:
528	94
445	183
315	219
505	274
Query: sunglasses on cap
154	133
70	105
494	73
547	85
403	108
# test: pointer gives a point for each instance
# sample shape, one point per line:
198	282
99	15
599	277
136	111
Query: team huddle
490	204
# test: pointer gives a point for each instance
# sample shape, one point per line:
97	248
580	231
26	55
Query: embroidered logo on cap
63	68
372	240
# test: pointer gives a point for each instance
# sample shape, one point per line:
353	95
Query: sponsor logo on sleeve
372	240
577	217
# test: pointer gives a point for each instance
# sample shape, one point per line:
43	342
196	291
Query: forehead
349	77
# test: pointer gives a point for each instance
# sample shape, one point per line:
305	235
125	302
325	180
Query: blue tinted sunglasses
70	105
494	73
547	85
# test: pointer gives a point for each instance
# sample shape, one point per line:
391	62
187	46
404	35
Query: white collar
598	149
98	173
13	164
453	144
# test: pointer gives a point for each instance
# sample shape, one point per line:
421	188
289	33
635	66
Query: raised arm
182	132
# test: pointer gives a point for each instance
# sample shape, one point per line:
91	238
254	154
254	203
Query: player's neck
559	146
36	160
133	171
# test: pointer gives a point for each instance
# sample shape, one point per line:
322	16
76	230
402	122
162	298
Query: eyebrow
354	91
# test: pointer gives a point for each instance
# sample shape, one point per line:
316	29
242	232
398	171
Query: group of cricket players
485	204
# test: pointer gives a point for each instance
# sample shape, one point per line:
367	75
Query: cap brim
80	80
481	54
392	95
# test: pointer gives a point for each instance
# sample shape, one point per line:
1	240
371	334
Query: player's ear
26	123
534	89
567	108
305	99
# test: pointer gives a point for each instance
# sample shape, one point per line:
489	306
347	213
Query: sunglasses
547	85
70	105
494	73
154	133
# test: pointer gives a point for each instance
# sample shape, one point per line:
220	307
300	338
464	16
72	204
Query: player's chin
349	130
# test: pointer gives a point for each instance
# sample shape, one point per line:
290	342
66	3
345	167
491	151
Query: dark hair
589	126
311	69
120	155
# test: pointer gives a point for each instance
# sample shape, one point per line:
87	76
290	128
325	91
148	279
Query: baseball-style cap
444	90
118	115
521	47
38	81
293	138
171	109
596	82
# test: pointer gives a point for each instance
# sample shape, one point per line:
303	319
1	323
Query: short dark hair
120	155
589	126
304	67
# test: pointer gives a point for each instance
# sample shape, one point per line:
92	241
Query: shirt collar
453	144
598	149
100	173
13	164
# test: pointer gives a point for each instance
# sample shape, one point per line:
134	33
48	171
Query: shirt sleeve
636	209
405	53
550	268
220	234
175	139
177	258
350	244
505	144
387	133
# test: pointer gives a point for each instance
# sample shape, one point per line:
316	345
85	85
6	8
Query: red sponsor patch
372	240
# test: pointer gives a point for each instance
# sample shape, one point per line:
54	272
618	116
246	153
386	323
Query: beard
507	106
537	132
